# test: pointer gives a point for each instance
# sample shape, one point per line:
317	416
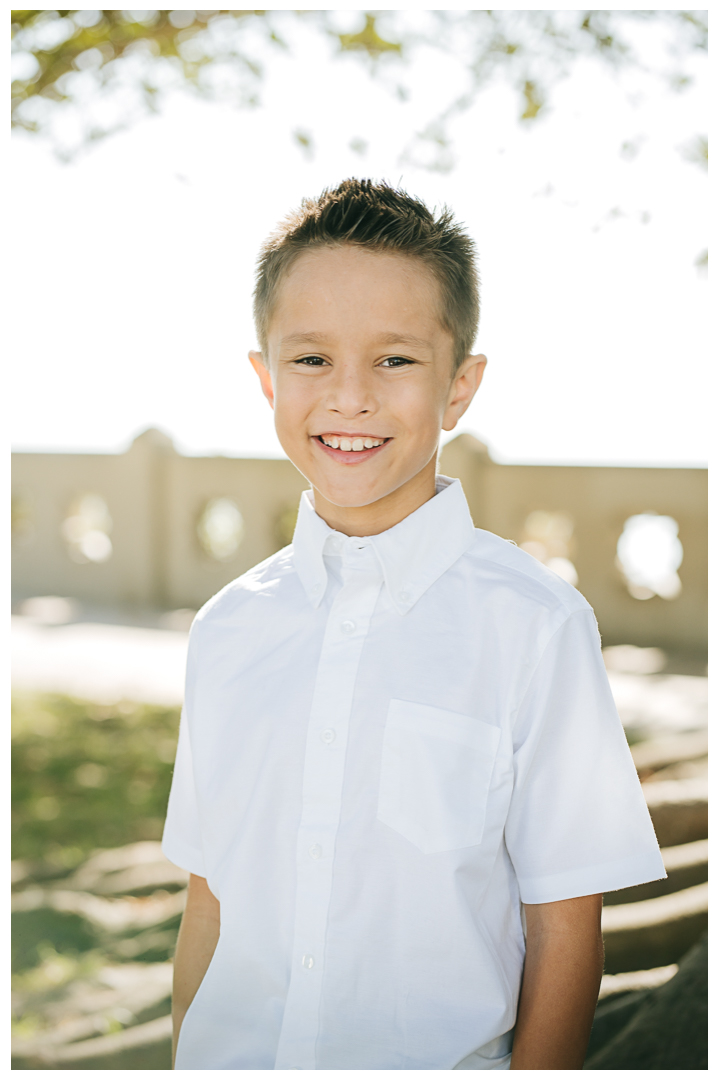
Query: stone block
679	810
686	865
664	1028
653	933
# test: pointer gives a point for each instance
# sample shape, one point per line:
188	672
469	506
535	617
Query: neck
379	516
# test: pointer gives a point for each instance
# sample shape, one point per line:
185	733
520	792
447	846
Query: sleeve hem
184	856
601	878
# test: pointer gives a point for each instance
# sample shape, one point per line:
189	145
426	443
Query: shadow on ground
96	906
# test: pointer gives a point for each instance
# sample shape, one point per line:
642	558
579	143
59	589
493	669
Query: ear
264	375
463	389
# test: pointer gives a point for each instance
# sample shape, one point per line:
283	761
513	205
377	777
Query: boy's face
358	357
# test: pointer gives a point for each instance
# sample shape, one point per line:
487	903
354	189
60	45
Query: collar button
404	597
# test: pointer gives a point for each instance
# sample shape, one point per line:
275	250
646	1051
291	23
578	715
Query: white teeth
356	444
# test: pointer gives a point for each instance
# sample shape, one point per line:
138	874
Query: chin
349	499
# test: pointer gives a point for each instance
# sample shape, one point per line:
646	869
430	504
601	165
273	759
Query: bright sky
134	264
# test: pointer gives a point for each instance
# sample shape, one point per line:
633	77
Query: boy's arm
561	981
198	936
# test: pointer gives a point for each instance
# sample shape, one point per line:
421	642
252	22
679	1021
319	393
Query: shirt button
316	589
404	597
328	735
308	961
347	627
315	851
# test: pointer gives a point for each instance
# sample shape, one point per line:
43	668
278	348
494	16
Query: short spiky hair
377	217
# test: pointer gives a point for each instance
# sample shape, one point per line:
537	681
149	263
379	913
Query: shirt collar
412	555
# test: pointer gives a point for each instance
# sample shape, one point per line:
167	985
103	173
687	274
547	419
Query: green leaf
368	40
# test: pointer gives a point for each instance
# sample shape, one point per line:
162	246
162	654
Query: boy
398	738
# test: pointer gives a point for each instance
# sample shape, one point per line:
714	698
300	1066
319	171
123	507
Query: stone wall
155	498
599	500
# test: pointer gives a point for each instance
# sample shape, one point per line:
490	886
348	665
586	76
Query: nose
351	393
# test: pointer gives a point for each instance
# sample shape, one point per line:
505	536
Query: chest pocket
435	775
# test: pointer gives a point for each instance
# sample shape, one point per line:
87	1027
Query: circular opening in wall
86	529
220	529
548	537
649	554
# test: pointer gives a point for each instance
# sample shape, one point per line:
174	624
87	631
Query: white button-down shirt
387	744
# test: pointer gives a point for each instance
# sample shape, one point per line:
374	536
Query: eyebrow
304	339
391	338
388	338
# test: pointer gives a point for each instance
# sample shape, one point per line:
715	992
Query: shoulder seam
256	570
581	604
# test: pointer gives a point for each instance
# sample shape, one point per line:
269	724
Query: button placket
322	793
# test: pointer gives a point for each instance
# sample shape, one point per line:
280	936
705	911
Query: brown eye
396	361
311	361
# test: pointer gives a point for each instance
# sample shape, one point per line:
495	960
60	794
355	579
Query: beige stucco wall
599	500
47	484
262	489
156	495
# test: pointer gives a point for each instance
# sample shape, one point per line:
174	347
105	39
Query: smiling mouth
348	449
351	443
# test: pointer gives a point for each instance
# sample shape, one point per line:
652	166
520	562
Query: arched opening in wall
649	555
549	537
86	529
220	528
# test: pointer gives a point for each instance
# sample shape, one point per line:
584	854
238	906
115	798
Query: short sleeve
182	840
577	823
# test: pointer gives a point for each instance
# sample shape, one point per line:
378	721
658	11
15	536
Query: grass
87	776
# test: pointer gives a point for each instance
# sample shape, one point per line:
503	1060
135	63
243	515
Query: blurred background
153	152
